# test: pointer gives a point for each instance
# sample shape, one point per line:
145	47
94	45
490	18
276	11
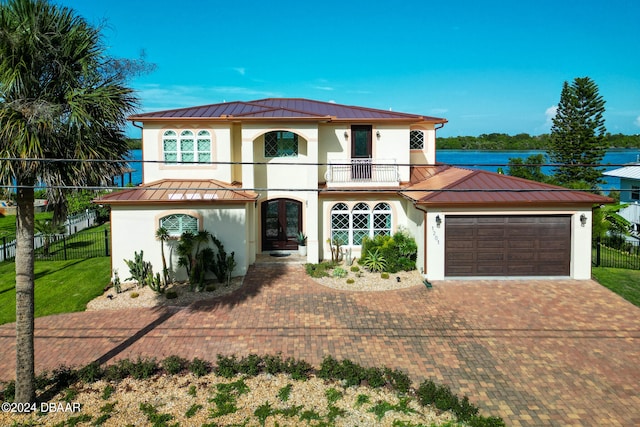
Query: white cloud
240	70
550	113
637	121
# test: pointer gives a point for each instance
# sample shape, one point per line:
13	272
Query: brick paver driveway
534	352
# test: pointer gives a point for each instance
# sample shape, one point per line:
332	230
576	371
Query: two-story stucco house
256	173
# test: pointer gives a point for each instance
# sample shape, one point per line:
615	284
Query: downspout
424	237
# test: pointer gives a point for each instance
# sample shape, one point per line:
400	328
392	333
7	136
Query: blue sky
486	66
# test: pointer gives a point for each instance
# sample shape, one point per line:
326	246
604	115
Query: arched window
170	146
361	222
280	144
176	224
351	226
187	147
382	220
340	223
416	140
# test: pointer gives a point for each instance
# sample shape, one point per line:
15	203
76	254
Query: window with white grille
187	147
351	226
416	140
176	224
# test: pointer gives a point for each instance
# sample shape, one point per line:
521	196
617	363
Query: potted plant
302	244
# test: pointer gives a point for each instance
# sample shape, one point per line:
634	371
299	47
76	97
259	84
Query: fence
60	247
616	252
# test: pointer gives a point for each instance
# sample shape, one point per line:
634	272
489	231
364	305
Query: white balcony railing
362	172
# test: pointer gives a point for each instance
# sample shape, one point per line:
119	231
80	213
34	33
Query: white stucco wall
580	238
221	151
133	229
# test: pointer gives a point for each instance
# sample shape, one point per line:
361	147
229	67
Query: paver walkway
535	352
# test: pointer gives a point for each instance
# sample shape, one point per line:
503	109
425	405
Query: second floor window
186	147
280	144
416	140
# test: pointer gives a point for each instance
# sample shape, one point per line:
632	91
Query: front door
281	223
361	152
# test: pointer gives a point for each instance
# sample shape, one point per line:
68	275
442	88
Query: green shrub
199	367
134	295
175	364
374	261
350	281
339	272
316	270
399	251
355	268
91	372
143	368
384	275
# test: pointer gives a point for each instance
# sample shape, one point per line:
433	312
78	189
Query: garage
508	245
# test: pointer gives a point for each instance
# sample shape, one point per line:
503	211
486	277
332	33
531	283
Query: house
629	194
256	173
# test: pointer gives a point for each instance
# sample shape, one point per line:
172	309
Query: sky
486	66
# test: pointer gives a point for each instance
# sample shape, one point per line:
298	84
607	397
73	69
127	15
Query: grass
61	286
623	282
8	223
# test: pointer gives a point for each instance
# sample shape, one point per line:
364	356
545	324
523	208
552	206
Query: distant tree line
521	141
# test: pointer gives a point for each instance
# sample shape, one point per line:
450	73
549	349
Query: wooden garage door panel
507	245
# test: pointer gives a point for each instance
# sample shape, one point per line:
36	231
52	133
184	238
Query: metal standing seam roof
630	172
459	186
283	108
179	191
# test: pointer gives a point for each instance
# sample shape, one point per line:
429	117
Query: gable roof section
630	172
283	108
179	191
459	186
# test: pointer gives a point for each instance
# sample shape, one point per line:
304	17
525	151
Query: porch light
378	134
583	220
438	220
346	135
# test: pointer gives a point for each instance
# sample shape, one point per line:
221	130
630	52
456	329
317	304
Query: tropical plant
578	142
163	235
302	239
194	259
374	261
529	168
607	220
223	265
139	269
61	97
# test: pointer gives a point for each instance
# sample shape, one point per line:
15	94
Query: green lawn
8	223
61	286
623	282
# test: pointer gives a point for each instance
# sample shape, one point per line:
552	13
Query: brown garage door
508	245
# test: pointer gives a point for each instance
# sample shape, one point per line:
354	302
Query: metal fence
61	247
616	252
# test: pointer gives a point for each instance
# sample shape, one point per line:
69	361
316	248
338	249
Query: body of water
478	159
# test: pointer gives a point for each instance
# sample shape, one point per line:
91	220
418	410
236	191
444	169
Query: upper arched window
280	144
416	140
176	224
186	147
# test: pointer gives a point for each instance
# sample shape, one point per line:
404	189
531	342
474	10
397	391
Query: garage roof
179	191
282	108
458	186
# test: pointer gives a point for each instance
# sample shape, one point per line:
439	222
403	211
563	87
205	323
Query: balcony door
361	152
281	223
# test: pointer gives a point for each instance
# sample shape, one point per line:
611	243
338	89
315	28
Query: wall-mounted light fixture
583	220
378	134
346	135
438	220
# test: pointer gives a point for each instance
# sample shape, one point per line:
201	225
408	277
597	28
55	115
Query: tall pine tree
577	135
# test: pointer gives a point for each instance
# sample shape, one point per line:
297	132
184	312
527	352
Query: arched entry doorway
281	223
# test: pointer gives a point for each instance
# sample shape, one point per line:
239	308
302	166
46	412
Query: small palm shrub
374	261
399	251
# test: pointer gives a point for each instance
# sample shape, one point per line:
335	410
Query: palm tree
163	235
61	97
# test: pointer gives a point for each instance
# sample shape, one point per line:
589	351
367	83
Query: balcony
362	173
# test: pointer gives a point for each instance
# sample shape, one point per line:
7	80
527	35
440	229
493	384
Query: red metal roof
459	186
283	108
179	191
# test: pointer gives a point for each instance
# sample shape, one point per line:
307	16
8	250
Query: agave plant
374	261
